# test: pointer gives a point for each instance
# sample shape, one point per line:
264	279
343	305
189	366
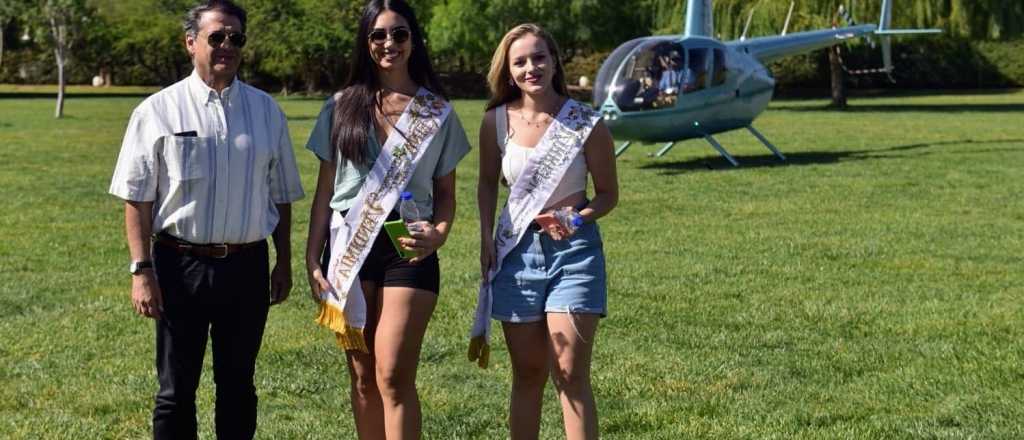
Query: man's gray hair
226	7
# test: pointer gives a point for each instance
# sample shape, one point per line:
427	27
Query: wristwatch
136	267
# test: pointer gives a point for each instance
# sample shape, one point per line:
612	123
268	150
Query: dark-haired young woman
545	281
387	131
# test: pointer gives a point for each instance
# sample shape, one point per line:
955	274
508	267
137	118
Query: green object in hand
396	229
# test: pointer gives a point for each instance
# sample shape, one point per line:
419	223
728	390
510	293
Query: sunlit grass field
870	288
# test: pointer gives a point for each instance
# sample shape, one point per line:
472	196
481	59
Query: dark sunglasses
217	38
398	35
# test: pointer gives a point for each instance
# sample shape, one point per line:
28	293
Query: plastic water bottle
569	218
409	212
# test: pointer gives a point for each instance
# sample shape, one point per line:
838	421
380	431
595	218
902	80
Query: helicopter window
648	78
718	68
695	73
605	76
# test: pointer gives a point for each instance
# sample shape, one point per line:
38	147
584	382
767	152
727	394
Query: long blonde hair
498	77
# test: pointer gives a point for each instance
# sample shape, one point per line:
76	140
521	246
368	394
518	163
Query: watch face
137	266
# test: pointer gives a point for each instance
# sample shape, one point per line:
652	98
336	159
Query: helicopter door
695	73
718	68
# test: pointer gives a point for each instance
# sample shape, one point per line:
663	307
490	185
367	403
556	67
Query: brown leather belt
217	250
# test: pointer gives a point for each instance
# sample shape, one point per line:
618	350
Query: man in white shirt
207	173
676	77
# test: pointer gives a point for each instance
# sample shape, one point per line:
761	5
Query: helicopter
672	88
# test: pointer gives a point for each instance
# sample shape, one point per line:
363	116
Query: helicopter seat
625	98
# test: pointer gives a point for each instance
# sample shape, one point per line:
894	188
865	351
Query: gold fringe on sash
348	337
479	351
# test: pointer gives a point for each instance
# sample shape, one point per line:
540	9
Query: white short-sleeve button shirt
214	164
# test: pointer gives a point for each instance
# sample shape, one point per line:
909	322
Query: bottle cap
406	195
577	220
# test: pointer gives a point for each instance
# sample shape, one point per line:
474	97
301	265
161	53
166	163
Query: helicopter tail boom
767	49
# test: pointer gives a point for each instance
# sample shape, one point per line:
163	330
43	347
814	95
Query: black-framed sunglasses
217	38
398	35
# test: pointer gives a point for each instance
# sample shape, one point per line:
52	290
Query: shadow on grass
891	108
825	157
801	94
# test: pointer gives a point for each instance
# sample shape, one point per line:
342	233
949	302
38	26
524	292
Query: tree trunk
60	82
60	46
838	79
312	74
2	43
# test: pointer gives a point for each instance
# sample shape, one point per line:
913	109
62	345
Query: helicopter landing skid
663	150
718	147
622	148
764	141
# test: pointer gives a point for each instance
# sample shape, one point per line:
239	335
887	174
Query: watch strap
137	266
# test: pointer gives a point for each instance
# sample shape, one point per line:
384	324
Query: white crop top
514	157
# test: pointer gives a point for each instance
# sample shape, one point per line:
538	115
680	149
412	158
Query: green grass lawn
871	288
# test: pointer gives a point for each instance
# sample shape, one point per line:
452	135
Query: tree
142	39
461	33
302	41
10	10
465	32
63	18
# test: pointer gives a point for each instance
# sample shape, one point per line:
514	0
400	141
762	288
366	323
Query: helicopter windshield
609	68
652	75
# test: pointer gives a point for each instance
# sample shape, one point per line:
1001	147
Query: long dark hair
359	94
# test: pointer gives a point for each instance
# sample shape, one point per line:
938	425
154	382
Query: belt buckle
219	246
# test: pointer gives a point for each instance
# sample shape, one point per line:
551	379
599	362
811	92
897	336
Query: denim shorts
541	275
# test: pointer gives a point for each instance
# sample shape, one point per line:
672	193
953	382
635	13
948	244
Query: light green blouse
447	148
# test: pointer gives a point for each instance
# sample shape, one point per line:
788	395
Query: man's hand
146	296
280	283
424	241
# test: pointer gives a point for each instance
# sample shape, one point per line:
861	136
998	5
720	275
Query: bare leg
527	346
366	402
404	315
572	343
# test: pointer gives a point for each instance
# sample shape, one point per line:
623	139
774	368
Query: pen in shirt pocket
191	133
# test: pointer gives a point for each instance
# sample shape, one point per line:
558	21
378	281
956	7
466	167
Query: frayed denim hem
518	319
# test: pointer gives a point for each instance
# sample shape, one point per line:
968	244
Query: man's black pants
228	300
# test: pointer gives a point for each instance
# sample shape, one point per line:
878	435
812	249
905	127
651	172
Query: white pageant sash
343	307
563	140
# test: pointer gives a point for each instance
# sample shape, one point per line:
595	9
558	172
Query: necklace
538	124
545	119
390	117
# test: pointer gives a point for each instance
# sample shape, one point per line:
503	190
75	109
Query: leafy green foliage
931	63
306	44
973	19
141	41
302	41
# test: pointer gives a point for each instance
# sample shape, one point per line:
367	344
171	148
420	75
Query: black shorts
386	268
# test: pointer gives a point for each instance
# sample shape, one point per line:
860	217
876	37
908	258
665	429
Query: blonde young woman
550	289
